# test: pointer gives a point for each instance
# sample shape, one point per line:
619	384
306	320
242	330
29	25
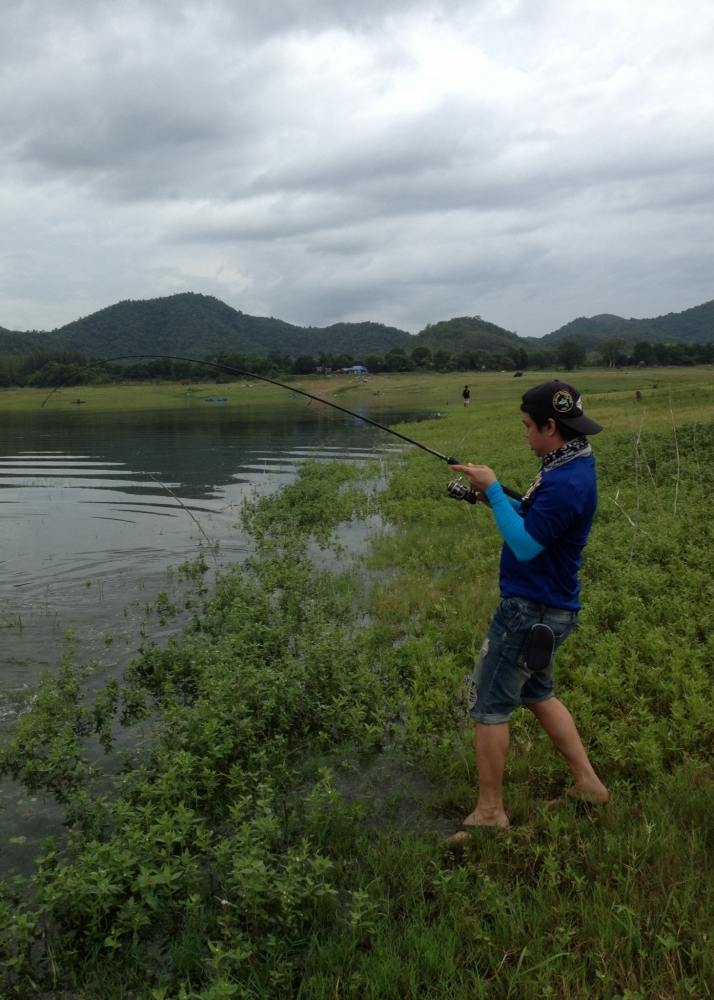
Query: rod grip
512	493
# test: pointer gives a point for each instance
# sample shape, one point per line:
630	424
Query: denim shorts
501	680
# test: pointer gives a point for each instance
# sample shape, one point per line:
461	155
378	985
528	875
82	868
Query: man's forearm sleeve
510	524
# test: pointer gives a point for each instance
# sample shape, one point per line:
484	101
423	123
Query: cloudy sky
528	161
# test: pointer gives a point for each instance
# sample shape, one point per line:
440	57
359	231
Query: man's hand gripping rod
459	491
455	488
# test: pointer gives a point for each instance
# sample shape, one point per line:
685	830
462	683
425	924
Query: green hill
466	333
357	338
199	326
180	324
693	326
13	342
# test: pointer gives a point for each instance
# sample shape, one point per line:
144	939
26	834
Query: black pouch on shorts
540	646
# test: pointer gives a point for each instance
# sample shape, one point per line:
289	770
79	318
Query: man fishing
544	536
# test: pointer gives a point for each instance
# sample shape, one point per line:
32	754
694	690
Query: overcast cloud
323	160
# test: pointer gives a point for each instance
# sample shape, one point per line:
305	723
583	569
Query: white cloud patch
399	161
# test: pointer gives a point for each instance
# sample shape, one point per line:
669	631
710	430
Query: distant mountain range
201	325
693	326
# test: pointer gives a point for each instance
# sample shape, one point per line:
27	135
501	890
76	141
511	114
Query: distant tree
343	361
610	350
259	365
571	354
485	360
183	370
137	373
542	359
421	356
441	360
374	362
397	361
304	365
478	359
519	357
160	368
679	354
278	361
662	353
56	374
643	353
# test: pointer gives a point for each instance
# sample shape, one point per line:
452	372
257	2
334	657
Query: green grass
611	394
281	831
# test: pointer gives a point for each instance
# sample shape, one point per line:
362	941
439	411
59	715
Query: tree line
51	369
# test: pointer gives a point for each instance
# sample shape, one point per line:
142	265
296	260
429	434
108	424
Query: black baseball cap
562	402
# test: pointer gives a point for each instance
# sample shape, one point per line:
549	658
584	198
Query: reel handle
506	490
460	491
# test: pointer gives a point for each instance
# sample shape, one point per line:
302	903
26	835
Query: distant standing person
467	395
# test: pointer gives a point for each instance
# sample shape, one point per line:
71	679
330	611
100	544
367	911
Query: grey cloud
130	115
255	18
153	146
123	116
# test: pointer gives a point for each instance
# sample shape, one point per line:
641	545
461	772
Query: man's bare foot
487	817
594	792
495	818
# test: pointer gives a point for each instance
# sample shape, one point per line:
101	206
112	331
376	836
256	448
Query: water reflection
94	508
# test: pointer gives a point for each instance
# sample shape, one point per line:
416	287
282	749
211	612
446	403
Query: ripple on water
95	510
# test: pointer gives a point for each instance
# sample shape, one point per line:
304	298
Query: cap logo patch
563	401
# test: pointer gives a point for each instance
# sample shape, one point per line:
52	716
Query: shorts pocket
513	614
562	626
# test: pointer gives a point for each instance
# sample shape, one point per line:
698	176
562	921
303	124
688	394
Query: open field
281	831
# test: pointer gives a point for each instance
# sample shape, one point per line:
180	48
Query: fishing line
211	545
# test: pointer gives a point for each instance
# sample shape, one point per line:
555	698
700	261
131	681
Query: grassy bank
611	392
281	831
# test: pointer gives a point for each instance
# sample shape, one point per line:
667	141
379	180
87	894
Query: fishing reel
459	490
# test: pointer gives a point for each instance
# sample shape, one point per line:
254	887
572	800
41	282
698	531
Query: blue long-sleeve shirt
544	540
511	525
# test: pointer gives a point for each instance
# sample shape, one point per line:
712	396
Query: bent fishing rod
455	489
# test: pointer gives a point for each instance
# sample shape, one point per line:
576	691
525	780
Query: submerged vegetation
279	827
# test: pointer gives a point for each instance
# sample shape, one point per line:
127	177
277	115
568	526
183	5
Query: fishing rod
455	489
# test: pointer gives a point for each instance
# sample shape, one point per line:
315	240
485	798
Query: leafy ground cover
279	829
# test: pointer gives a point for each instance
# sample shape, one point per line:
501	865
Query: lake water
94	511
95	508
